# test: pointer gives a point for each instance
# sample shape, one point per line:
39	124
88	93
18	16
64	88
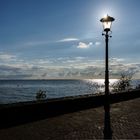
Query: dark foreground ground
81	125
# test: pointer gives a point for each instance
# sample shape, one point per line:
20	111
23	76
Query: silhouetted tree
123	84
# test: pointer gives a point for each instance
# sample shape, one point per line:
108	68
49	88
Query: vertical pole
107	125
106	66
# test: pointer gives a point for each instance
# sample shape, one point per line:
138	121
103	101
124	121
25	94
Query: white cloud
7	57
68	39
97	43
116	60
12	66
83	45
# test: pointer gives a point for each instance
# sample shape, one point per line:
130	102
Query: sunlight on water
101	81
25	90
99	84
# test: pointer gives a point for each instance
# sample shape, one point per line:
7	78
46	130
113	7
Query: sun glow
101	81
105	15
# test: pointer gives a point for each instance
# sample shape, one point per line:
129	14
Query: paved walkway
82	125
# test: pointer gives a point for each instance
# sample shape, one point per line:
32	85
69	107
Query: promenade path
82	125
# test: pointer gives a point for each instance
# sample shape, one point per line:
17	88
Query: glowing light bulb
105	15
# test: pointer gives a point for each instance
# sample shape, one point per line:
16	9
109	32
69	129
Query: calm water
25	90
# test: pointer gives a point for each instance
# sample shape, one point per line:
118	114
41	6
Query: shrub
40	95
138	86
123	84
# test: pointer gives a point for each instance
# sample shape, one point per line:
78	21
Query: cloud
15	76
8	68
14	67
97	43
117	60
6	57
83	45
68	39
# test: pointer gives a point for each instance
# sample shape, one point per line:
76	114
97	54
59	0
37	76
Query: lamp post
107	22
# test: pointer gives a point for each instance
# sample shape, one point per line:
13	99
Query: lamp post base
107	123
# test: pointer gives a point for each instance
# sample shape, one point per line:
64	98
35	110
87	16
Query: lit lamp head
107	21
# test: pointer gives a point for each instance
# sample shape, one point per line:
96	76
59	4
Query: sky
62	39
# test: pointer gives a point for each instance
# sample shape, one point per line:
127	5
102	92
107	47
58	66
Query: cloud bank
12	67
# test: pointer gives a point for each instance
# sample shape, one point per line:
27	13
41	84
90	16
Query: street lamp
107	22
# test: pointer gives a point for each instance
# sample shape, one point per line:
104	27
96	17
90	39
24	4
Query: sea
13	91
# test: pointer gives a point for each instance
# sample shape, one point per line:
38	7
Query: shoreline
25	112
24	91
62	98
